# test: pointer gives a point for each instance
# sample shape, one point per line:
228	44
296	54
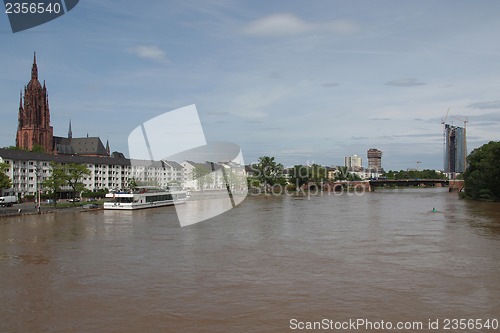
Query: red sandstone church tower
34	117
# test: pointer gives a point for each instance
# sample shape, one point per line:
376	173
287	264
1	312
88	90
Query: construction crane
443	121
464	121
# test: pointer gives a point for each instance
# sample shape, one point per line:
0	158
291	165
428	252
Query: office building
352	162
455	149
374	159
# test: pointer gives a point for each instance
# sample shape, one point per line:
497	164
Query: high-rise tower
352	162
374	159
34	117
455	149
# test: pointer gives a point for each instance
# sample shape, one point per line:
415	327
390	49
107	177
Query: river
271	264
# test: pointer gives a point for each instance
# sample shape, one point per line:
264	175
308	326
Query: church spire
70	134
34	117
21	115
107	147
34	69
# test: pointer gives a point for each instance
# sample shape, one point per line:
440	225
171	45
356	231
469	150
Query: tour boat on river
144	199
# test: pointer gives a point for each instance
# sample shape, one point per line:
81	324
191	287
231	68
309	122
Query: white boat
144	199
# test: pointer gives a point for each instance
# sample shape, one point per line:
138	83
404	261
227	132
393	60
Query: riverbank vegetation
66	175
269	174
482	177
5	181
414	174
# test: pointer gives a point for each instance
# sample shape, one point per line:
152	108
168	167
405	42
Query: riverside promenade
29	208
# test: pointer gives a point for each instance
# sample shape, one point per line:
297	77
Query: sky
303	81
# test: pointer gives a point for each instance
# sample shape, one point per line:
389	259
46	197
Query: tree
132	183
74	174
37	148
55	181
201	175
234	180
5	181
318	173
342	173
414	174
269	172
482	177
13	148
300	175
353	177
390	175
253	182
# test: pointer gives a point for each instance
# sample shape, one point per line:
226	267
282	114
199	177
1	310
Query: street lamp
37	193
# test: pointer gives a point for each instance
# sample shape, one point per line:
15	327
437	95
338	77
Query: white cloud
151	52
285	24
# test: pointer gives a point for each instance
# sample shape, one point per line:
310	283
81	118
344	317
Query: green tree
233	179
300	175
201	175
269	172
74	175
353	177
94	194
55	181
414	174
482	177
390	175
13	148
318	173
37	148
253	182
132	183
5	181
342	173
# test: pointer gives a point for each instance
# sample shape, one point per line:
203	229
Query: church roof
65	149
80	146
117	154
22	155
88	146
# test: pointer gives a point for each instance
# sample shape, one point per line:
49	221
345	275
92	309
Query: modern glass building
455	149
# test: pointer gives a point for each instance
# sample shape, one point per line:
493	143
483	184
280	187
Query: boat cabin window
154	198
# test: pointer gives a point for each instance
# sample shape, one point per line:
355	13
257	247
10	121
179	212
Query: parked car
8	201
91	199
74	200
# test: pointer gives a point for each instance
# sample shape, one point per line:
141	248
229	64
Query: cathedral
34	117
34	125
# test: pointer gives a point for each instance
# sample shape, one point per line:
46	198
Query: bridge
410	182
370	185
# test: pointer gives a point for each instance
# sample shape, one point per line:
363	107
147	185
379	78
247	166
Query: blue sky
304	81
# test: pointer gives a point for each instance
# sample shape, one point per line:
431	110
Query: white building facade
29	169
